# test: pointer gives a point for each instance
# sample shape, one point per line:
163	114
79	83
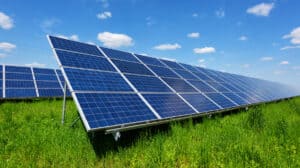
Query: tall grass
31	135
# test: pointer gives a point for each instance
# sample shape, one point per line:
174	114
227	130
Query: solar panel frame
135	90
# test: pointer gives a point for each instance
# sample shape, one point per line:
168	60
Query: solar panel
172	64
120	55
130	67
221	100
117	90
19	82
22	82
84	61
179	85
163	72
147	83
87	80
200	102
150	61
168	105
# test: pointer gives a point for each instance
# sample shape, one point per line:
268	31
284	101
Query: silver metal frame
34	81
3	82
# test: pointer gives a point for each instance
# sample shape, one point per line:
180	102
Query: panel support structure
3	81
64	104
34	81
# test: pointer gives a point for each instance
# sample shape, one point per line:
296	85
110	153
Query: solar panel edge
83	118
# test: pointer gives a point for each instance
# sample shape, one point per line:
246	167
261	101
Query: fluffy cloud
114	40
5	21
5	46
36	64
72	37
266	58
193	35
167	46
289	47
204	50
284	63
220	13
294	36
243	38
104	15
262	9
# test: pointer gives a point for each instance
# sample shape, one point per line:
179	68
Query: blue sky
256	38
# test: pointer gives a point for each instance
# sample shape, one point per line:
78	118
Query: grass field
31	135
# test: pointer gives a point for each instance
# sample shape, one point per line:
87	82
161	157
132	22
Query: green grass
31	135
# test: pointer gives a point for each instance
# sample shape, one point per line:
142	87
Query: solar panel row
114	89
29	82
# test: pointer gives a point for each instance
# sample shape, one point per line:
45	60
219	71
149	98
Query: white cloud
104	15
266	58
195	15
193	35
201	61
71	37
243	38
220	13
114	40
289	47
262	9
5	21
246	65
204	50
294	36
284	63
167	46
2	55
169	59
5	46
36	64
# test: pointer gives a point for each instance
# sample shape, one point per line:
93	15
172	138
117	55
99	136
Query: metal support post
64	104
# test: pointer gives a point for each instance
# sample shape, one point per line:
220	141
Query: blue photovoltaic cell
220	100
130	67
121	55
189	67
17	69
84	61
147	83
185	74
247	97
62	81
203	87
179	85
200	102
45	77
150	61
231	87
20	93
1	75
163	72
61	43
44	71
1	93
47	84
19	84
218	86
85	80
104	109
50	92
236	99
202	76
172	64
18	76
168	105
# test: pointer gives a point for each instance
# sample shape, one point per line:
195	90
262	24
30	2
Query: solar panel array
21	82
115	89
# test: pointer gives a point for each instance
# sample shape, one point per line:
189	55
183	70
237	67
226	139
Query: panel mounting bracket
64	105
116	135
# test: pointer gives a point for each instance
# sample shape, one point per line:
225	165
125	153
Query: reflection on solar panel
116	90
21	82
